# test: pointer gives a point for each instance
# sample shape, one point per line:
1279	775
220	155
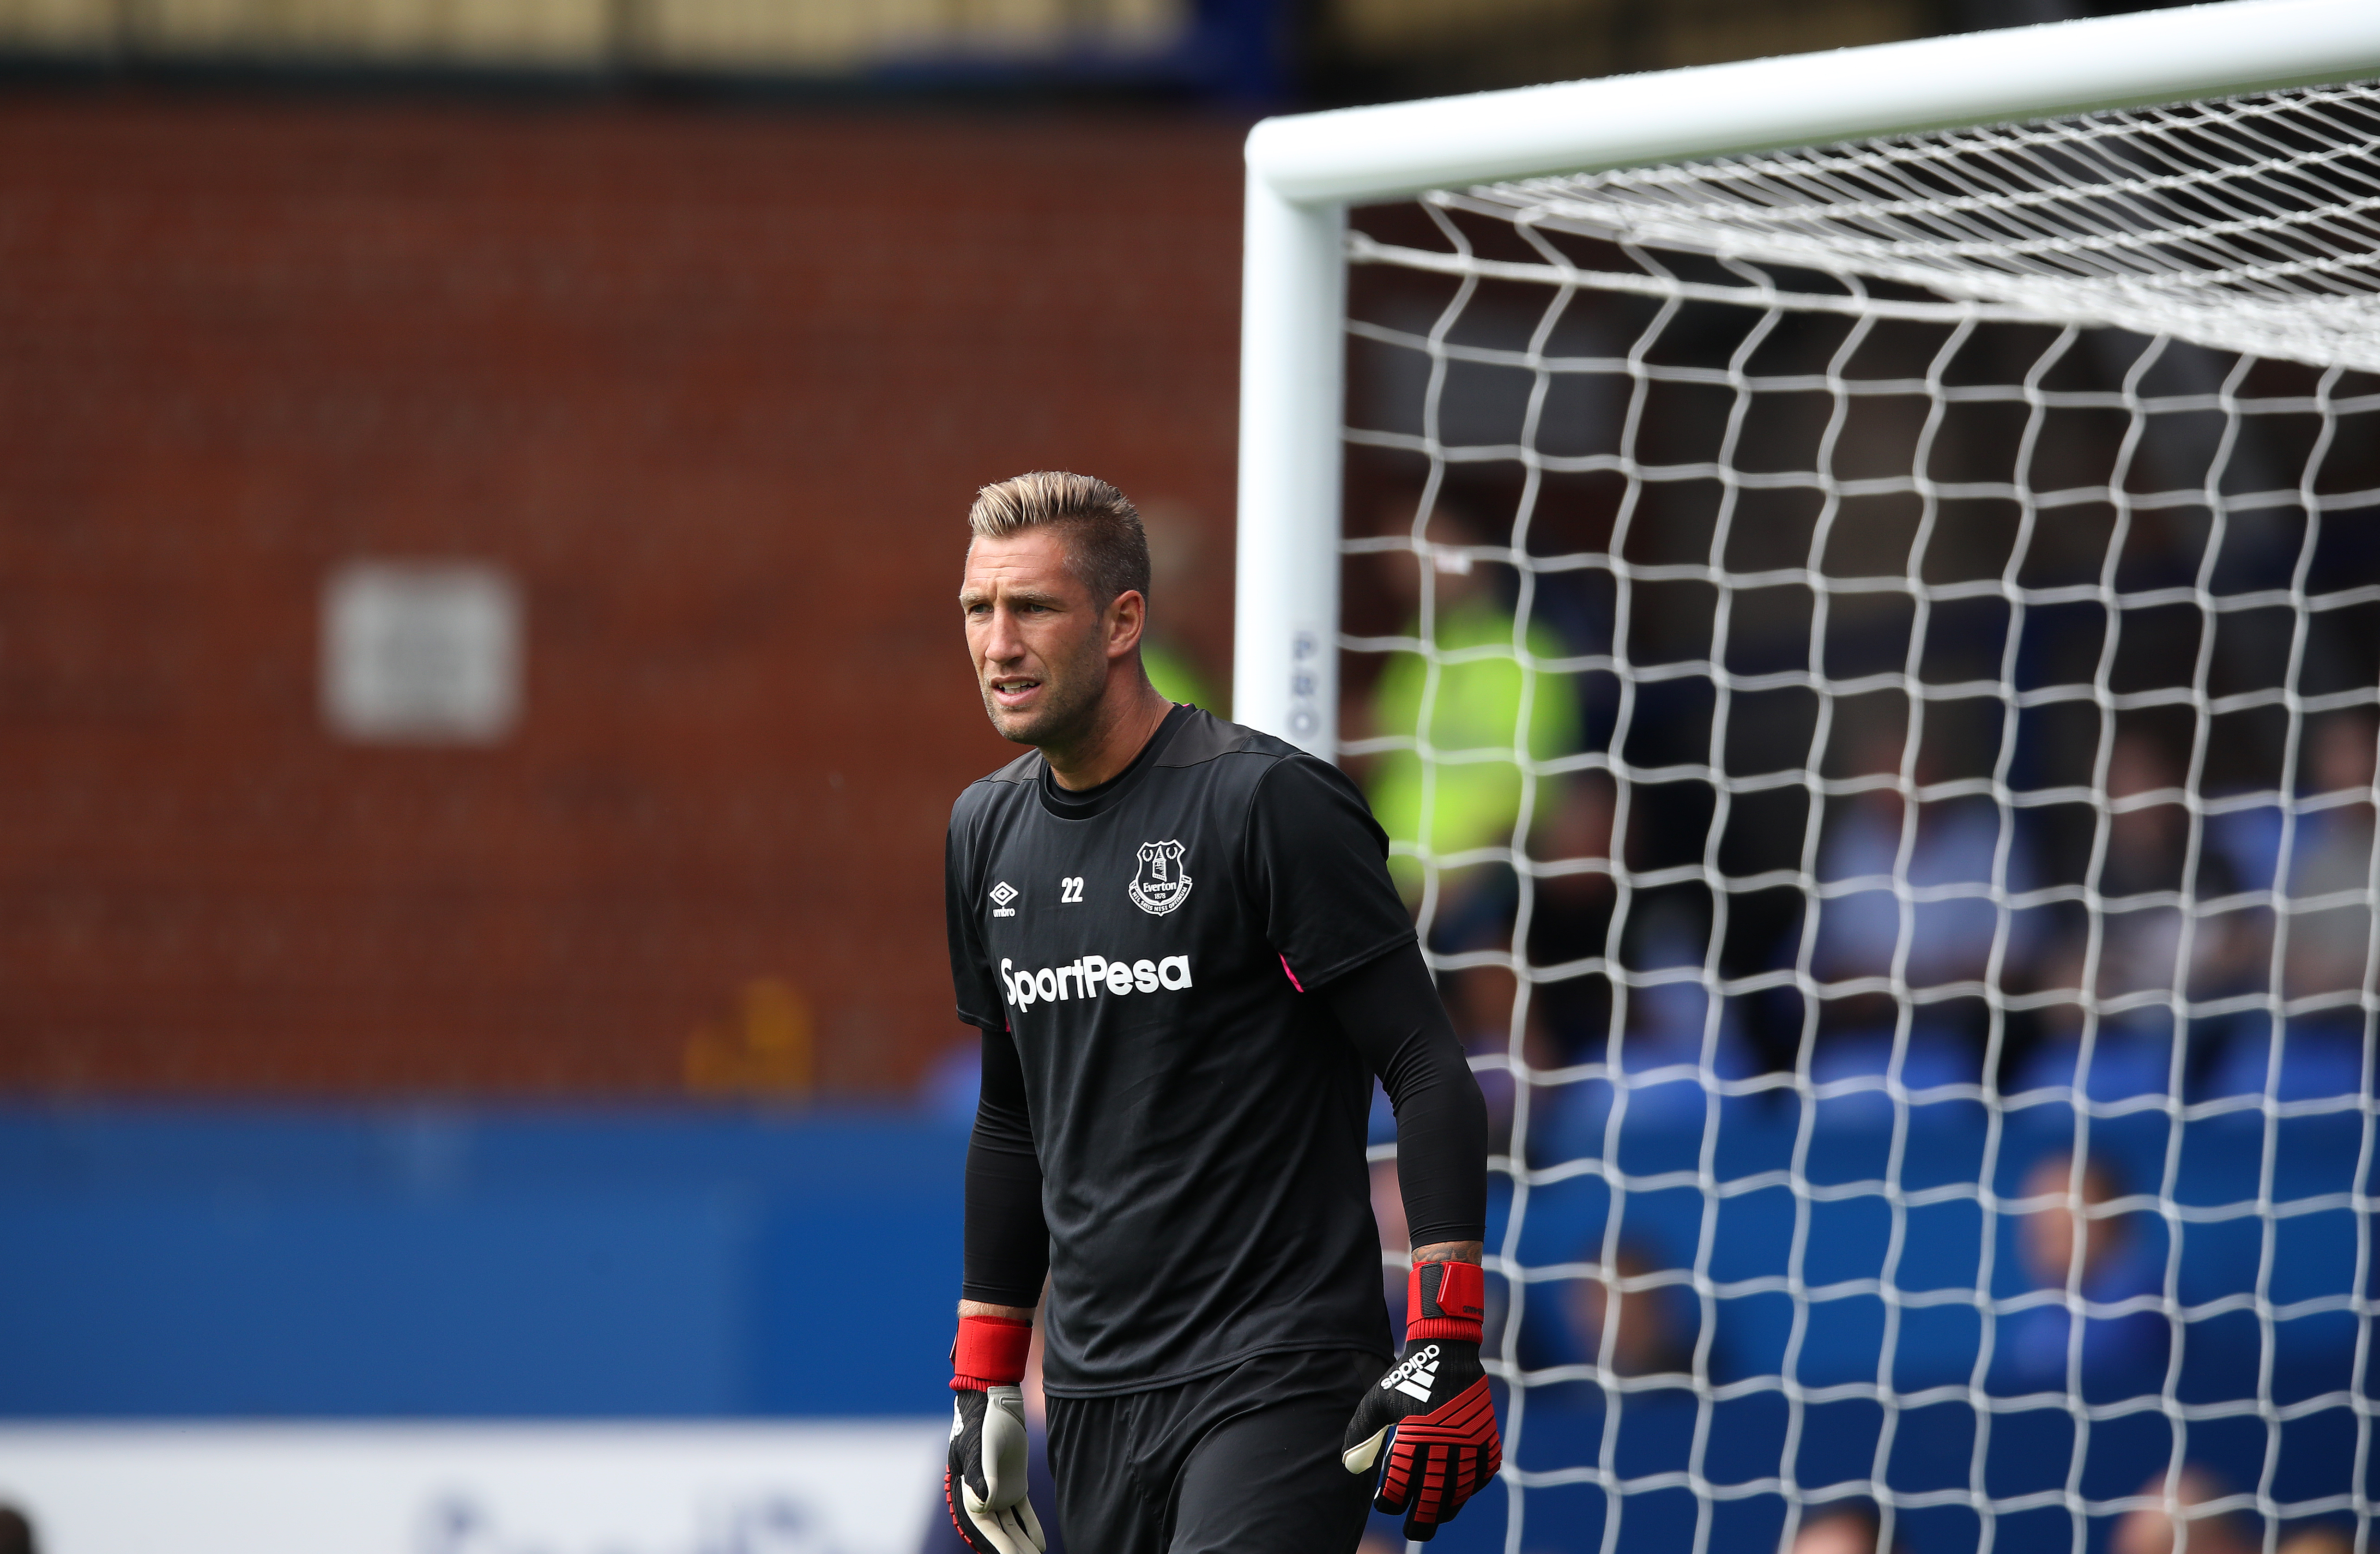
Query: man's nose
1001	641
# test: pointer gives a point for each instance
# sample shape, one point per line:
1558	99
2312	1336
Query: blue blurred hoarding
484	1263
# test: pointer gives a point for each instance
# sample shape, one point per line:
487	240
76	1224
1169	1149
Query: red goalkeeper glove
1445	1446
984	1485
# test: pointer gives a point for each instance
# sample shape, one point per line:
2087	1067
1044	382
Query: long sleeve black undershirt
1389	1010
1007	1240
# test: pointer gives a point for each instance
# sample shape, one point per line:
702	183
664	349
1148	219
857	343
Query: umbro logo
1415	1376
1001	895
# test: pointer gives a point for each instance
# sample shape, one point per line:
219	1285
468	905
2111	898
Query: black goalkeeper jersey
1199	1119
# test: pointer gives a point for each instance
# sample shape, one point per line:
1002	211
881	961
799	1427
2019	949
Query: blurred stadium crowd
2276	916
2127	868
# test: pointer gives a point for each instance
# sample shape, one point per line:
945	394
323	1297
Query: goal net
1867	657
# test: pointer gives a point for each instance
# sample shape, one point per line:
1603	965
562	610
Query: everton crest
1160	886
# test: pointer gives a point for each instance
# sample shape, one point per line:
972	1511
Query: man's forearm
1012	1313
1437	1252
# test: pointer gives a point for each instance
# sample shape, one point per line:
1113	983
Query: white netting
2247	224
1868	659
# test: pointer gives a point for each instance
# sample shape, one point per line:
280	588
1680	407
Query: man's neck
1126	722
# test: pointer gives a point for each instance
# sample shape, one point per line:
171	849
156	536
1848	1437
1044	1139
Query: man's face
1038	641
2046	1237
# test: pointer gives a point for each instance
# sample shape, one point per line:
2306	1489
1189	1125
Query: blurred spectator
2111	1264
1669	1048
1482	705
2329	942
1479	999
1569	918
2188	1525
2322	1538
1672	1022
2124	1058
2330	850
1567	1017
1650	1327
1839	1528
16	1532
2141	947
2143	961
1173	567
942	1535
2152	1530
1954	850
2329	946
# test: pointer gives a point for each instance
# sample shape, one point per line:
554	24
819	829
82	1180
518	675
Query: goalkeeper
1180	941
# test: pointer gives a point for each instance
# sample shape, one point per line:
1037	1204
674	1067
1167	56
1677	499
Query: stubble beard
1071	695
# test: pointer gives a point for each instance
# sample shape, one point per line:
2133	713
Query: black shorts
1244	1461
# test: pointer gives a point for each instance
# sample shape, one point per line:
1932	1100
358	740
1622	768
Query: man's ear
1128	618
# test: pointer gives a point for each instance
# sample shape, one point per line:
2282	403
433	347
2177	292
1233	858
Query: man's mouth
1012	689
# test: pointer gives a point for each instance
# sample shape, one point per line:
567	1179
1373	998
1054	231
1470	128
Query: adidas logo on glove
1443	1451
1415	1376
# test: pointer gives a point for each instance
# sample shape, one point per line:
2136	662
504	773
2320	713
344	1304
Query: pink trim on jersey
1290	975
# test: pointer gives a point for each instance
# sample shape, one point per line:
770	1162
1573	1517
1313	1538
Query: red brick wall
716	386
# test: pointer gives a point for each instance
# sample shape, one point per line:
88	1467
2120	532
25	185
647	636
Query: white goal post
1305	170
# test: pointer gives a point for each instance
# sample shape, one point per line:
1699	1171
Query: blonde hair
1106	546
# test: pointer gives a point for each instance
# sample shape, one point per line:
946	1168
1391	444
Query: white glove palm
986	1483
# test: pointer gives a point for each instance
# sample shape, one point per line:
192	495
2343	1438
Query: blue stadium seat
1935	1055
2322	1056
2125	1062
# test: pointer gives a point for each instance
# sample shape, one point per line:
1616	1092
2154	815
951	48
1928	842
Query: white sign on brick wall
421	652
